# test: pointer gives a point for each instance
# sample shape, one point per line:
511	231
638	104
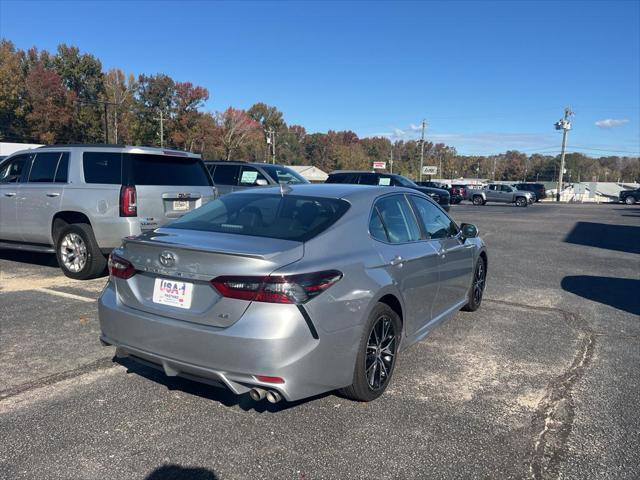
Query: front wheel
78	253
521	202
629	200
477	287
376	355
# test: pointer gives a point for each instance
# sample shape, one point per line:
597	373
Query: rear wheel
376	356
630	200
521	202
477	287
77	252
478	200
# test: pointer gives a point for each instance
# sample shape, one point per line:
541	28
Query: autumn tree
237	129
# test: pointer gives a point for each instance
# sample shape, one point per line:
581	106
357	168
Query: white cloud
611	122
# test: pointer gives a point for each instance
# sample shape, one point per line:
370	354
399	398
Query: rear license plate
173	293
181	204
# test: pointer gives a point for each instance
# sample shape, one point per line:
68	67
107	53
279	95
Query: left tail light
292	289
120	267
128	201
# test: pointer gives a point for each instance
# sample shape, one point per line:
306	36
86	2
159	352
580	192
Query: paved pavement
542	382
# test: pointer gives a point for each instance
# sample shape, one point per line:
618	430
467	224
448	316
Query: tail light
120	268
276	289
128	204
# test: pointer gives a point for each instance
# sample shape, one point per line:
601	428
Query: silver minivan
79	201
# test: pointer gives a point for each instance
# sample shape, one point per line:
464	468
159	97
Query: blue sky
487	76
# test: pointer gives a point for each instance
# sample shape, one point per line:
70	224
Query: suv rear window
167	170
288	217
102	167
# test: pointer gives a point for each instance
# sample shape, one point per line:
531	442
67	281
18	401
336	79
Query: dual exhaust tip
258	394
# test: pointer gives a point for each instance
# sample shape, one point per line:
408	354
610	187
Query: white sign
429	170
380	165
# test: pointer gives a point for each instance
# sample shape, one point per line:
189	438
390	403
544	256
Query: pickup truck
495	192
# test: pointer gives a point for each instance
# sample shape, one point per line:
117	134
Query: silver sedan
288	292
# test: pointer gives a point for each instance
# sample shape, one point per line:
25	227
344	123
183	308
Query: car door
454	255
506	193
493	193
11	174
410	261
225	177
40	196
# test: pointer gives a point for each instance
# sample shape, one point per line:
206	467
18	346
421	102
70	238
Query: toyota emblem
167	259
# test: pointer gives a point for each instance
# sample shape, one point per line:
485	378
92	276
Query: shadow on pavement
209	392
176	472
34	258
622	238
620	293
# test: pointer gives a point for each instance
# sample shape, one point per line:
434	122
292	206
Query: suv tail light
128	205
276	289
120	268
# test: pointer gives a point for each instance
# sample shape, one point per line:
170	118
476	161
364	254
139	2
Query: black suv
438	195
230	176
630	196
536	188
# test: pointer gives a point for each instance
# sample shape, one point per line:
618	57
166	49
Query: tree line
66	97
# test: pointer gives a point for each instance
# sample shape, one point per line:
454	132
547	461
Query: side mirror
468	230
261	182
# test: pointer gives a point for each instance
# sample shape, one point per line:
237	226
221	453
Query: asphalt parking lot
542	382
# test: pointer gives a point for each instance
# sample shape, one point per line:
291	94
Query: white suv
79	201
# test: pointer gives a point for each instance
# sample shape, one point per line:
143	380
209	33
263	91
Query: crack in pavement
555	413
100	364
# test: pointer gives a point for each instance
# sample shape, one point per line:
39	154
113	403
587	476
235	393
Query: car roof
329	190
97	147
242	162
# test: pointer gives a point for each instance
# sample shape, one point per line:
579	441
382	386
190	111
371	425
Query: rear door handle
10	194
53	194
397	260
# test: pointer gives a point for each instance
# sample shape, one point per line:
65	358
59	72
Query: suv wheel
630	200
521	202
478	200
376	356
78	254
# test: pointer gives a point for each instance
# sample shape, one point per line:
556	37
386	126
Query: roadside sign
430	170
380	165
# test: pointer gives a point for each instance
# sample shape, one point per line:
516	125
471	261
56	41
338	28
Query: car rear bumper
269	339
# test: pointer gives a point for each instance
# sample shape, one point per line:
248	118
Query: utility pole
424	124
273	147
161	130
565	125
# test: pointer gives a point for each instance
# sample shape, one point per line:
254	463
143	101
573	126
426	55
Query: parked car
456	192
496	192
439	195
536	188
258	290
232	176
630	197
79	201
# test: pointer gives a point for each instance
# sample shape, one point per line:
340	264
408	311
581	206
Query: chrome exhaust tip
273	396
257	394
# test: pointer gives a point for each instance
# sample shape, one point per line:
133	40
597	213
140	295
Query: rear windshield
283	174
168	170
288	217
142	169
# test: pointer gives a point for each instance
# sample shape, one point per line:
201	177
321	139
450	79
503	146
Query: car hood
430	190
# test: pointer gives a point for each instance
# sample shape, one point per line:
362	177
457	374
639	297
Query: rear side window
62	172
43	168
342	178
102	167
226	174
398	219
370	179
167	170
288	217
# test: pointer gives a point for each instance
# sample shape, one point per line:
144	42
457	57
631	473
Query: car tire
367	387
630	200
521	202
78	253
478	200
477	286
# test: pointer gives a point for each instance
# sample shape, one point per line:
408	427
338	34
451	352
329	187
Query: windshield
283	174
288	217
405	182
